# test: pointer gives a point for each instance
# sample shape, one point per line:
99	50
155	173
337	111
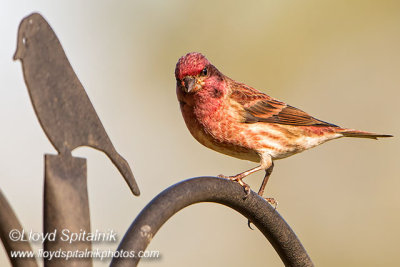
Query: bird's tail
123	167
362	134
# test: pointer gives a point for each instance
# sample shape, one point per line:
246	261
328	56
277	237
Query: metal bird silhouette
59	99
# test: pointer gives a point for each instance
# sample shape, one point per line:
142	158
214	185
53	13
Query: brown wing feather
260	107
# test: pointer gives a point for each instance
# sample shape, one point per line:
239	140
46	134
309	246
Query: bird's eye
204	72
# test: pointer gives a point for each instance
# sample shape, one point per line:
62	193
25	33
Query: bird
240	121
61	104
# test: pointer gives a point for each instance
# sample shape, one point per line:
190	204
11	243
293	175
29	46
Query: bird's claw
245	186
272	201
239	180
249	224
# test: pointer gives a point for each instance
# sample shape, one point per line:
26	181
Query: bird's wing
259	107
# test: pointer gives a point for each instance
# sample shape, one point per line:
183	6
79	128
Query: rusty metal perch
217	190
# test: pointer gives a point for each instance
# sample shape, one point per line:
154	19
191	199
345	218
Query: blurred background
337	60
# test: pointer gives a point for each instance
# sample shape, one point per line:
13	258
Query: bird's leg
265	180
238	178
272	201
268	172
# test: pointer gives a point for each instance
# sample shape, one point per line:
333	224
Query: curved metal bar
9	223
219	190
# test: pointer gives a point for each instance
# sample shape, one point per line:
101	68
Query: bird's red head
192	64
191	71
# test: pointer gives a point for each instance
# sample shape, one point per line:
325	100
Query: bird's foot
272	201
238	179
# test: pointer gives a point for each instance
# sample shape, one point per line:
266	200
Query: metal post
66	209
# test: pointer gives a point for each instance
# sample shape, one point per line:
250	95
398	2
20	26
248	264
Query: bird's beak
190	82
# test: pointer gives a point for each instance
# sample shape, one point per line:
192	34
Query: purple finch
240	121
